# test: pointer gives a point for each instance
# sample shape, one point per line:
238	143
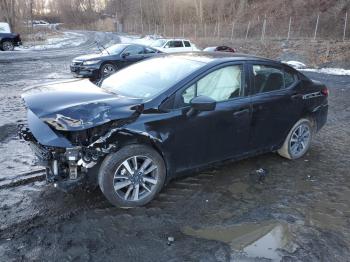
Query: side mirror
201	103
125	54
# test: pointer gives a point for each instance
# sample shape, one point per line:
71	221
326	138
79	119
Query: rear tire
298	140
133	176
7	46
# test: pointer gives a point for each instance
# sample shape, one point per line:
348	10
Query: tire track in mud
23	179
185	189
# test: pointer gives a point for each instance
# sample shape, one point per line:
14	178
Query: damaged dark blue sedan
168	115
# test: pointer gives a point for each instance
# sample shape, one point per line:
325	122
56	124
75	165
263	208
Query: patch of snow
295	64
136	40
69	39
329	71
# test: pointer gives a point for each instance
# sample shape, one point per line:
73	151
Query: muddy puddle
250	240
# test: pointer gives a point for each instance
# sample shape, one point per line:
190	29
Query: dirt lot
299	212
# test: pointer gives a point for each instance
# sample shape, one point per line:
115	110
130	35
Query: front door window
221	85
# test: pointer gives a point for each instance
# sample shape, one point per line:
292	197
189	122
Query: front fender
119	137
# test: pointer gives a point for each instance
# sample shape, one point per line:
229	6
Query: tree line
144	14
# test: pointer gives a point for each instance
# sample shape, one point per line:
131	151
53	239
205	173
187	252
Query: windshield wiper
99	45
105	50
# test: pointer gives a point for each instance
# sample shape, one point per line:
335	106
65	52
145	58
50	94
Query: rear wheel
133	176
107	70
7	46
298	140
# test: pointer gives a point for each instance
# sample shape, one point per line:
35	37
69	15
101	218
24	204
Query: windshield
158	43
149	78
114	49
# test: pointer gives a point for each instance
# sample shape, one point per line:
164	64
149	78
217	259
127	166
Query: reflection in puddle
254	240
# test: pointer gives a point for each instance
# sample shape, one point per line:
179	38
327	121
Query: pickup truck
8	40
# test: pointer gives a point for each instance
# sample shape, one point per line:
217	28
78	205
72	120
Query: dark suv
8	41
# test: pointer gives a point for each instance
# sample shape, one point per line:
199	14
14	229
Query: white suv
174	45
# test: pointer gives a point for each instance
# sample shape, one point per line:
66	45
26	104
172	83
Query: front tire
107	70
133	176
298	141
7	46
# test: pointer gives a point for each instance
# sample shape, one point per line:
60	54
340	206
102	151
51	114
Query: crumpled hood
78	105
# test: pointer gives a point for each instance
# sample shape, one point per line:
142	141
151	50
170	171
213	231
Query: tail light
325	91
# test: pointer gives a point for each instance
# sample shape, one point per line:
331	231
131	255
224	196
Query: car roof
219	57
131	44
174	39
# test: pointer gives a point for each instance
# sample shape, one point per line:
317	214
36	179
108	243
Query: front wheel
107	70
298	140
133	176
7	46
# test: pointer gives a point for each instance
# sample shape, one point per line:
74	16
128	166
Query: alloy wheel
300	140
108	70
7	46
135	178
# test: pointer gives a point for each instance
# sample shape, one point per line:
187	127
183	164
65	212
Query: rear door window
174	44
267	78
134	50
187	44
289	78
222	48
150	50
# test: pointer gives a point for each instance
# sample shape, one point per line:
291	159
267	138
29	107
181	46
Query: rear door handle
241	111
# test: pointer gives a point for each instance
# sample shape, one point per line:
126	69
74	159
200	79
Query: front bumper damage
66	168
80	70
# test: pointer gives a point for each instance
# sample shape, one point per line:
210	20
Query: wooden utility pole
246	35
141	13
289	27
233	28
218	29
263	29
195	31
345	24
316	27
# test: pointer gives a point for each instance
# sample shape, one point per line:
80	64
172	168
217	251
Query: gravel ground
299	212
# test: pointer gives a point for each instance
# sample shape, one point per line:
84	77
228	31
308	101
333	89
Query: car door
132	54
211	136
187	46
276	104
